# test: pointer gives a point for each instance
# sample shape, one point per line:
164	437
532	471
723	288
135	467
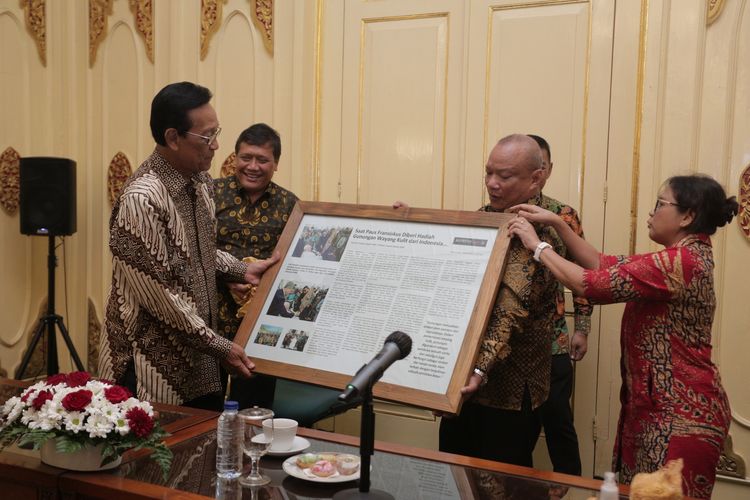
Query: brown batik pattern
162	306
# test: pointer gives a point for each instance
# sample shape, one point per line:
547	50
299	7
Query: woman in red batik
673	404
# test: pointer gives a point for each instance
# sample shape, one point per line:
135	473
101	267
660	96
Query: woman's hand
524	231
536	214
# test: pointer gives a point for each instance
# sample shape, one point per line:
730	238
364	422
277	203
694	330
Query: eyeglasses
660	203
209	139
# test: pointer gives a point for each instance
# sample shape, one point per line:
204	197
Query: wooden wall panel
541	88
236	81
402	113
17	56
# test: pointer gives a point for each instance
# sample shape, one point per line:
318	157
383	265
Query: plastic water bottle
609	490
229	442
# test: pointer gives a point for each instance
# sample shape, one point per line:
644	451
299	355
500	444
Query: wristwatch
482	375
539	248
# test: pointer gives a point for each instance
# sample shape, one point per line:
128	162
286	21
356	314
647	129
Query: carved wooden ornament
36	15
10	162
143	12
227	168
99	10
118	172
263	19
744	215
210	22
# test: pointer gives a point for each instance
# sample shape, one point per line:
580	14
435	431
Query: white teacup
282	432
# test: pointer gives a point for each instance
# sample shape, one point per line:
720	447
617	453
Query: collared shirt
247	229
581	306
515	351
162	307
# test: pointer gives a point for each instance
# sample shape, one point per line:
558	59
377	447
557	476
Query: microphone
397	346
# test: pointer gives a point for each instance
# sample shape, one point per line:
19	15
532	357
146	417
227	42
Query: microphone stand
366	450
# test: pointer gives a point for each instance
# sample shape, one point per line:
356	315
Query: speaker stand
47	323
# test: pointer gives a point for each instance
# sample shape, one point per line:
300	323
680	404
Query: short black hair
170	107
706	198
542	144
260	134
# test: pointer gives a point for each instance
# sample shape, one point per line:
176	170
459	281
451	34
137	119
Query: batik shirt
672	401
582	307
515	351
161	311
247	229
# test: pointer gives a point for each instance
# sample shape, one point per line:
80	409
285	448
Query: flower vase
88	458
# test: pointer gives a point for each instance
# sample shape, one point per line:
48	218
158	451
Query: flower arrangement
77	411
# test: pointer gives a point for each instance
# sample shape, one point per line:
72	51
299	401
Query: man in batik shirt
511	379
556	414
252	212
159	333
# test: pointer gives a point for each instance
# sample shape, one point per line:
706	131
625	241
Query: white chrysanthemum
39	386
49	417
110	411
122	426
29	416
96	387
146	406
98	425
129	404
12	409
74	421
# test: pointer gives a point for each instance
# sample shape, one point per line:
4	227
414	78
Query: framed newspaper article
350	275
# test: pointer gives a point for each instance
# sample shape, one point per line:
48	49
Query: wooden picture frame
447	224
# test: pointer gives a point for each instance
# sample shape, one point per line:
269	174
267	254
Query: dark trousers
556	417
483	432
248	392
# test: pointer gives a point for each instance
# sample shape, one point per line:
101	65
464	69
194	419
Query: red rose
58	378
116	394
77	401
139	421
40	399
77	379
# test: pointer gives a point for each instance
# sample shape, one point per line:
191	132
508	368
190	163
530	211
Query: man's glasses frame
209	139
660	203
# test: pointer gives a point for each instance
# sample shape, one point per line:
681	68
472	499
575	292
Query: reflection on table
408	477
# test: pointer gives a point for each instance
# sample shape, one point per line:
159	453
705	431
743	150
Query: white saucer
299	444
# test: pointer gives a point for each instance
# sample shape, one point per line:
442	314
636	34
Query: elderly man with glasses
159	337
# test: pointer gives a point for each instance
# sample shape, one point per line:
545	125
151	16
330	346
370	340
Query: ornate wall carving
210	22
10	162
118	172
227	168
730	463
713	10
143	12
36	23
99	10
744	215
263	19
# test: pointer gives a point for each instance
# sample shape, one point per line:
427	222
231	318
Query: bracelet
483	375
539	248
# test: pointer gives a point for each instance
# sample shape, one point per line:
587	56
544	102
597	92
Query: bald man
512	375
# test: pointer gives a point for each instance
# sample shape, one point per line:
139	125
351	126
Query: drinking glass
255	444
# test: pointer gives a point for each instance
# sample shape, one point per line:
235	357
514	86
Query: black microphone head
402	340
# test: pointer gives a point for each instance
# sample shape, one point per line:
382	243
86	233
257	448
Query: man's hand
237	362
466	391
256	269
579	344
399	204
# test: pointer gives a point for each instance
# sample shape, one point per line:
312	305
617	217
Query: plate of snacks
326	467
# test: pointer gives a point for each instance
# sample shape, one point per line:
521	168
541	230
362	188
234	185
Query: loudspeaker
48	196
